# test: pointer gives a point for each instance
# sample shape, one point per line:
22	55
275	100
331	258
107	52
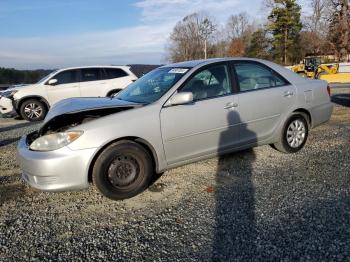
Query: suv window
254	76
211	82
111	73
66	77
90	74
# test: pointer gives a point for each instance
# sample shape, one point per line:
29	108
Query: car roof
95	66
194	63
286	73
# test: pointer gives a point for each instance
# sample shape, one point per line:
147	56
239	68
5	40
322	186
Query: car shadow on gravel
341	99
235	229
8	141
17	126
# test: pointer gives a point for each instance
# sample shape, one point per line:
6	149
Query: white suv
33	101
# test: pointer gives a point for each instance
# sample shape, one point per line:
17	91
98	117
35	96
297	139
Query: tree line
284	37
12	76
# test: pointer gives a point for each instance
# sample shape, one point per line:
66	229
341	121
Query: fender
113	91
17	103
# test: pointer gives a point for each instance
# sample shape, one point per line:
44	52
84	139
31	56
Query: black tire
283	145
33	110
123	170
318	76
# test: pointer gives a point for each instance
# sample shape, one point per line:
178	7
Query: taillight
329	90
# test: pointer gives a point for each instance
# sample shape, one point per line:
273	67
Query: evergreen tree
259	46
285	26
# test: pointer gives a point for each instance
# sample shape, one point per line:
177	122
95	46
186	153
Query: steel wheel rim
296	133
123	171
33	110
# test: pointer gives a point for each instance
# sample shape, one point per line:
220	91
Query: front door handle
231	105
288	93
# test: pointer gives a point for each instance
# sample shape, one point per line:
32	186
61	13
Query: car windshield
152	86
42	80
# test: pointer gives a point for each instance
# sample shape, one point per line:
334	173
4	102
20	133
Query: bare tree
190	37
317	21
313	37
339	28
239	31
237	25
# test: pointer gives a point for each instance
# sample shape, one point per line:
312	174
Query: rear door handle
231	105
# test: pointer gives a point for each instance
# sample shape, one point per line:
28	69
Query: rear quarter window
112	73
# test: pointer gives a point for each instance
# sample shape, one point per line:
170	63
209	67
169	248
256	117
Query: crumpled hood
16	87
74	105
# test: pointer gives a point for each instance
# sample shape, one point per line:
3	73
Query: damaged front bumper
6	107
65	169
60	170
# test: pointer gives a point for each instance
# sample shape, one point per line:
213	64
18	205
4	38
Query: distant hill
140	69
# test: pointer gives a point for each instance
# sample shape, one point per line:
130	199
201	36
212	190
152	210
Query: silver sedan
174	115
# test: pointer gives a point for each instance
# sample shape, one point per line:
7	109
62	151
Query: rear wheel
33	110
294	134
123	170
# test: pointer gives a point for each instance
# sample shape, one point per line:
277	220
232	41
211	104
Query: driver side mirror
52	82
181	98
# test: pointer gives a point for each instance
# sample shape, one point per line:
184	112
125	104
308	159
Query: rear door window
90	74
253	76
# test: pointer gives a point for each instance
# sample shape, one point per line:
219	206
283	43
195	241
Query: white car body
86	84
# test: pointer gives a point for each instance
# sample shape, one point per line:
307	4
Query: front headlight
9	94
55	141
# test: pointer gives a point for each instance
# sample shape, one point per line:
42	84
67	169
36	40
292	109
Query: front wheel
294	134
33	110
123	170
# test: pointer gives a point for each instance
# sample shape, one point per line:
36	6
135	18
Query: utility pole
285	45
206	28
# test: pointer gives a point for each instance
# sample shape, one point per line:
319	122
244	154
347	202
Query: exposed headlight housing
9	94
55	141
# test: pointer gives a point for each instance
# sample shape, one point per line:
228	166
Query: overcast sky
58	33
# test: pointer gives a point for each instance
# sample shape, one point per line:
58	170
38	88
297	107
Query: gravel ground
257	204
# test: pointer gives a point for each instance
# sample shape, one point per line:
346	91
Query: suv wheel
123	170
33	110
294	134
